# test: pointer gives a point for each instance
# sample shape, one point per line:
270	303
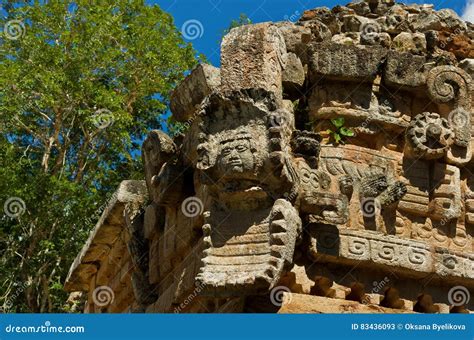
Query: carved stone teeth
278	239
277	226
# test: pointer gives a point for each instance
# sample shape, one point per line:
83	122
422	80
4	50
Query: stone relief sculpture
256	194
250	230
273	186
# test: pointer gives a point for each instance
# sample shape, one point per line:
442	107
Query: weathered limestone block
166	250
76	302
104	234
468	66
451	21
186	274
169	184
341	11
296	36
395	20
416	258
373	39
446	202
410	42
154	221
187	97
158	148
459	44
351	63
357	23
416	200
138	248
122	300
297	280
96	251
301	303
404	69
324	15
293	76
342	97
106	272
155	260
188	223
319	31
252	56
445	19
454	264
348	38
361	8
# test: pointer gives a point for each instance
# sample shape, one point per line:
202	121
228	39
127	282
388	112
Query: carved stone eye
226	151
242	148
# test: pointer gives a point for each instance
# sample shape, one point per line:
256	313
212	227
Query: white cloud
468	13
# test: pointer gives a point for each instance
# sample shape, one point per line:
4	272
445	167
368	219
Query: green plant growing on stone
340	132
241	21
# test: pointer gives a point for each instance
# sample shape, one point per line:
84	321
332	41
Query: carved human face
235	157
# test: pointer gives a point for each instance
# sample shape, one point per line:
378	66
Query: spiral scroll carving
447	83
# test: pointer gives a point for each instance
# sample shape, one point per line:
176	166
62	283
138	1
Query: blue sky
215	15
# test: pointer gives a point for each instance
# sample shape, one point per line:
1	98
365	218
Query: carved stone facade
329	157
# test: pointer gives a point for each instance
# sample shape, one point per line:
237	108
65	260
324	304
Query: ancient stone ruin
326	166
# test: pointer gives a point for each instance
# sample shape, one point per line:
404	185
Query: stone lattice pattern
254	195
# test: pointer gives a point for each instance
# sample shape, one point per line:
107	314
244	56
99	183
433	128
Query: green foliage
340	132
241	21
79	89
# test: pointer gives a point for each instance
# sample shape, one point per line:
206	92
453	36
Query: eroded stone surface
187	97
339	144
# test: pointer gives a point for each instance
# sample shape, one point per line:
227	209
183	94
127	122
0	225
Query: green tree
241	21
80	85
